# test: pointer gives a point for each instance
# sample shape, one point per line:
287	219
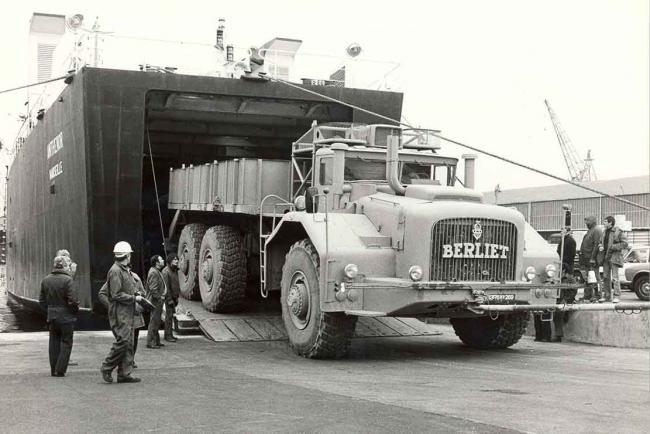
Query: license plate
501	297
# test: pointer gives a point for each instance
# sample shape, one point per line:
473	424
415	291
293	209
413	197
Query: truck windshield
358	169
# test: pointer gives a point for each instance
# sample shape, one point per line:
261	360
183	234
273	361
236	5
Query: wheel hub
645	288
207	268
184	263
298	300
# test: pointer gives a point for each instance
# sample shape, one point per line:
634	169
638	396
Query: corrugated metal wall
549	215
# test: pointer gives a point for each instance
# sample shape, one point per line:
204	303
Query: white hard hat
122	248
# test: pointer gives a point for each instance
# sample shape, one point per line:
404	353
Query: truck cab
386	231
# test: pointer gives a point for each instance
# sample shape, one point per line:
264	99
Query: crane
579	169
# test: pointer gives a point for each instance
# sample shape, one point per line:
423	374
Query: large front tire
486	333
312	333
222	269
189	246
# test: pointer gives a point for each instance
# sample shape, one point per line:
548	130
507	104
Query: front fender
339	239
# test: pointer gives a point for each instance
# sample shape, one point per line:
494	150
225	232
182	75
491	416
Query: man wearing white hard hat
122	297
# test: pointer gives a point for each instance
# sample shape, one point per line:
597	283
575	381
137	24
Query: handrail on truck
263	237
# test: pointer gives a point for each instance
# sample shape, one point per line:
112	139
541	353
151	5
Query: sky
478	71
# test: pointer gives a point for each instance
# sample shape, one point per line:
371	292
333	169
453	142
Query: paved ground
402	384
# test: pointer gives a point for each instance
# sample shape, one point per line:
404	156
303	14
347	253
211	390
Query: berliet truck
363	220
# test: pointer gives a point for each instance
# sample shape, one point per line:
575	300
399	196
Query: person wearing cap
588	259
156	295
73	272
122	312
73	265
59	299
611	246
170	275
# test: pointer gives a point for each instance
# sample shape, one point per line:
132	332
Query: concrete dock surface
399	384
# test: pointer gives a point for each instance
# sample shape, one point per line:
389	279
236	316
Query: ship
94	169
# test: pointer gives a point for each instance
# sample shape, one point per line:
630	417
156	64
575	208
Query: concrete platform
628	329
265	324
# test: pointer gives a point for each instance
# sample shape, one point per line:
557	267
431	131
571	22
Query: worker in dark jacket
170	275
588	259
612	244
156	295
567	255
59	299
121	315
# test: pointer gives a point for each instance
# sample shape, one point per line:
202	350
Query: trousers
121	354
169	319
153	336
610	280
60	346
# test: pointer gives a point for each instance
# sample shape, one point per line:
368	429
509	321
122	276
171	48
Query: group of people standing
126	298
599	248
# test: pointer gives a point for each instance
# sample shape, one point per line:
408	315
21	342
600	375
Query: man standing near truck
588	256
611	246
156	294
121	314
170	276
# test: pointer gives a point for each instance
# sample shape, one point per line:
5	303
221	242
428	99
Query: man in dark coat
121	315
59	300
588	259
567	256
612	244
170	275
156	295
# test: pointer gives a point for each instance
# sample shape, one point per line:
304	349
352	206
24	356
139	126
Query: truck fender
292	228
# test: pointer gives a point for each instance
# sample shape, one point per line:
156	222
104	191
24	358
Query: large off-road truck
363	220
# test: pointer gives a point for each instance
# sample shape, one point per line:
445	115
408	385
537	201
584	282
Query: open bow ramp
268	326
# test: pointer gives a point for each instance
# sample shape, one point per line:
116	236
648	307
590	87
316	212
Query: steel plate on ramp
268	326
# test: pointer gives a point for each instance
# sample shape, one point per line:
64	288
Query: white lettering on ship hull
475	250
56	170
55	145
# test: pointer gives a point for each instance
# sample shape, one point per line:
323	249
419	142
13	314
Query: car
635	271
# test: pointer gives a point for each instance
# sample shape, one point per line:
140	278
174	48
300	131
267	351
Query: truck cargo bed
235	186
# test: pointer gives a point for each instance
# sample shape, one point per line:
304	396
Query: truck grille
473	249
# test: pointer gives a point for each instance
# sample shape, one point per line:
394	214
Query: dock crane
579	169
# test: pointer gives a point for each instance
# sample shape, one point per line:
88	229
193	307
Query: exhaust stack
392	165
470	165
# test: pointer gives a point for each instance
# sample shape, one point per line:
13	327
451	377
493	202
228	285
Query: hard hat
122	248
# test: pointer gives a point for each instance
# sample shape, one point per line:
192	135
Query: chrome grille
465	230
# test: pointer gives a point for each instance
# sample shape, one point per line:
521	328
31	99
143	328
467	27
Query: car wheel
642	288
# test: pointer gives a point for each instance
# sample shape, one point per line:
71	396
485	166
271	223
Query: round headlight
351	271
415	273
551	270
530	273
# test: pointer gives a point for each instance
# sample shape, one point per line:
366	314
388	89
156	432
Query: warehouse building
542	206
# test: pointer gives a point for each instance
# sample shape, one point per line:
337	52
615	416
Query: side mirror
309	199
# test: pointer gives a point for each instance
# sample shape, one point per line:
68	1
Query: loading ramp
264	324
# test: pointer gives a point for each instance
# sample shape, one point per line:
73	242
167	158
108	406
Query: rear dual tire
222	270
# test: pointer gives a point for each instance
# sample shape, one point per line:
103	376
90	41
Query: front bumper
395	297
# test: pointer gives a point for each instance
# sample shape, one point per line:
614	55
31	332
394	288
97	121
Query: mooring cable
441	137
